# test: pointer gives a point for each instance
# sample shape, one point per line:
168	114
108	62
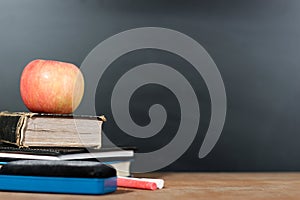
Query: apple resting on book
49	86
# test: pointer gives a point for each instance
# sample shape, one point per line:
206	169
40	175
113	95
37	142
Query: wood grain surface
256	186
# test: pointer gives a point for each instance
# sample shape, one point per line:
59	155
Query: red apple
49	86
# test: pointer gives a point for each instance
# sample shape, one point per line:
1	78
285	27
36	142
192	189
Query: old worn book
25	129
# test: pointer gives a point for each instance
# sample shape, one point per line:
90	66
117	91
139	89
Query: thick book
120	159
25	129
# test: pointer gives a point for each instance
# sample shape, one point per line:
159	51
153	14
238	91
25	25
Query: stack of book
37	136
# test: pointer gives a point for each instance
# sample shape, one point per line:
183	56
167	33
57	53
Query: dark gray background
255	44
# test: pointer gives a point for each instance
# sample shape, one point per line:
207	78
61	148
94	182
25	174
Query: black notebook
15	153
120	159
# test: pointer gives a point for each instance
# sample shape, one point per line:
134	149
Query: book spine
20	130
11	128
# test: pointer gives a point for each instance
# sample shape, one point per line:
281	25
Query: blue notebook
75	177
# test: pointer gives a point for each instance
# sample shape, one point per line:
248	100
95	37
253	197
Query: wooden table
214	186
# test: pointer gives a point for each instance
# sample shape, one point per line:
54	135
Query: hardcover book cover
25	129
